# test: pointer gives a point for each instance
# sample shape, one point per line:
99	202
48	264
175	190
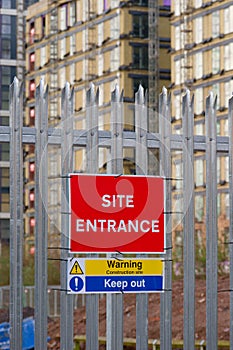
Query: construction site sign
115	276
110	213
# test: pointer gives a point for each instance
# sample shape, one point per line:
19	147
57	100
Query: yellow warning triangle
76	269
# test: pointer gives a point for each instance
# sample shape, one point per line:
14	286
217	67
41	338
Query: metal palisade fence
115	140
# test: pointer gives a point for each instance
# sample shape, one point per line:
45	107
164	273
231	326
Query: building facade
201	60
104	42
12	63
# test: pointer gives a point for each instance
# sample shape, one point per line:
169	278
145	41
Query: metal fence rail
115	141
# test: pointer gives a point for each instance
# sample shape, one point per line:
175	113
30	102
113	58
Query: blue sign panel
132	284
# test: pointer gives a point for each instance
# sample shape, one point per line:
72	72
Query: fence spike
139	96
122	95
97	96
115	95
90	95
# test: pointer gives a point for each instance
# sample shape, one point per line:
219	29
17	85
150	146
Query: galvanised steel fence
115	140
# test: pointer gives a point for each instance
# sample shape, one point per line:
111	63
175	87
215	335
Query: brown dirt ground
153	314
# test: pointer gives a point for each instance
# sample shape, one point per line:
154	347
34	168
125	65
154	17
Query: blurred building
104	42
201	60
12	63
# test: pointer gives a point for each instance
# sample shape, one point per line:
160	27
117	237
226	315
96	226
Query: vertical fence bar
115	301
92	301
41	228
66	319
188	223
230	120
165	170
211	226
16	214
141	127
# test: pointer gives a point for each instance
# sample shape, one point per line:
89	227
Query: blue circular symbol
76	284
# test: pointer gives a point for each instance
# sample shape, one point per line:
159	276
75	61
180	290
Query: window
115	58
8	36
7	74
140	25
32	33
228	52
63	17
32	61
32	116
228	87
215	60
31	198
43	25
31	171
140	57
199	129
115	27
177	106
72	44
199	208
228	20
178	172
32	88
177	72
100	64
32	223
215	24
42	56
197	3
72	13
62	47
62	77
100	34
198	101
198	68
198	30
105	5
177	8
226	168
199	172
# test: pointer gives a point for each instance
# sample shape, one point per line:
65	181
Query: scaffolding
153	53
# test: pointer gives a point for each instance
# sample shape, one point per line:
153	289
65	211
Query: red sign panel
116	213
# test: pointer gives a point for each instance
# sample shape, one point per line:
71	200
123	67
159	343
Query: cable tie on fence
66	212
59	248
65	176
173	212
61	289
173	178
57	259
168	260
227	243
118	176
167	290
225	290
117	251
168	248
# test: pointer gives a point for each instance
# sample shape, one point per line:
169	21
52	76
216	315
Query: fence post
230	120
188	226
41	228
211	226
165	170
115	301
66	319
92	154
16	214
141	128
